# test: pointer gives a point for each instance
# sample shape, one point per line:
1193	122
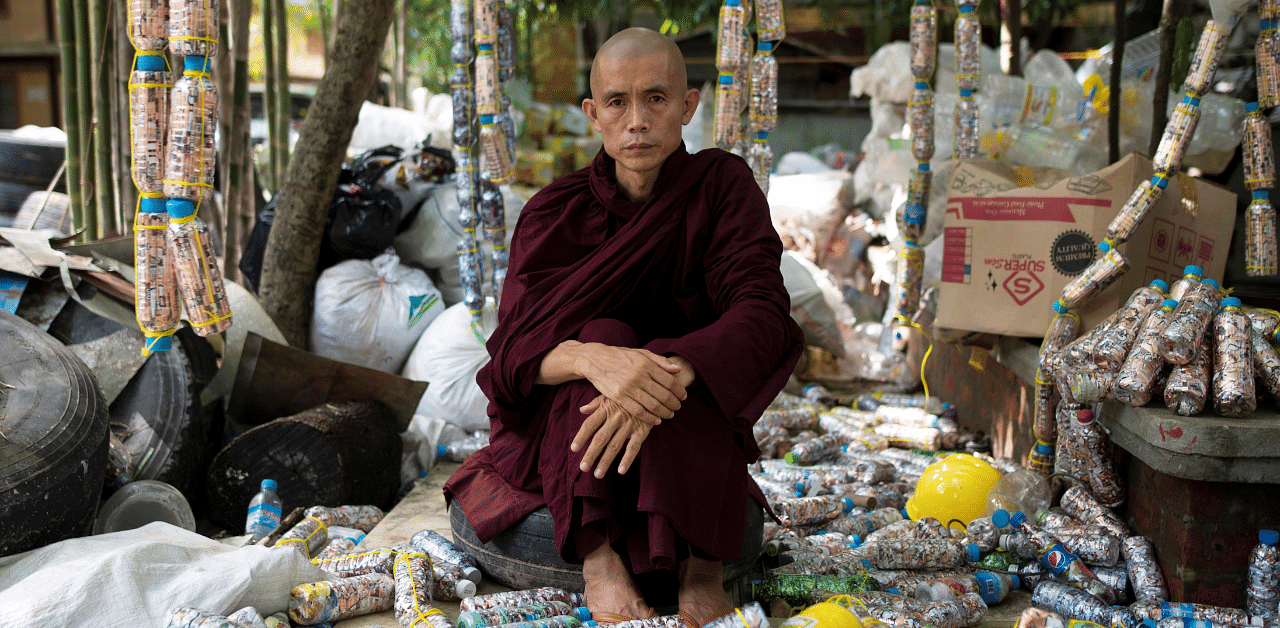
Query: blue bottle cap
726	79
966	93
582	613
974	554
1000	518
1261	195
153	205
799	487
764	46
854	538
731	3
762	135
1060	307
160	343
1270	537
268	485
893	590
590	623
1160	285
1250	107
868	564
1149	623
1104	246
150	63
844	449
1230	302
484	47
848	505
1193	270
195	63
797	494
486	120
180	207
1017	518
922	85
1211	282
441	451
904	513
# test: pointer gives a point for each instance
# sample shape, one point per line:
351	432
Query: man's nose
638	120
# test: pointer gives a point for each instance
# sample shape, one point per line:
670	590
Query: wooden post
1113	109
239	204
1011	38
1160	99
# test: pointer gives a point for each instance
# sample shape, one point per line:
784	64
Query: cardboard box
1009	250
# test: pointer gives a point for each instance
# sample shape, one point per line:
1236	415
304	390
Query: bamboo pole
126	193
284	98
238	203
84	69
274	173
100	74
70	107
222	76
1117	59
402	54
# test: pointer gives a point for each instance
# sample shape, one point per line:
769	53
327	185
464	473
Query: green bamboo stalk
402	54
70	109
284	97
84	92
100	77
126	192
239	200
269	91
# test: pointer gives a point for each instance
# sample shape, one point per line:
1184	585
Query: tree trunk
238	204
84	90
324	31
101	84
70	108
274	174
289	266
1011	38
331	455
1164	71
284	96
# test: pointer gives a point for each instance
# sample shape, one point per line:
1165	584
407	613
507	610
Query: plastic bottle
1204	61
930	404
521	598
1097	277
507	614
198	272
764	88
1071	602
983	533
1233	376
1156	610
1110	352
1021	491
1261	255
156	301
193	117
726	112
149	86
1135	383
1179	341
332	600
458	451
966	120
1177	137
921	112
497	162
968	50
1264	577
486	22
462	91
1034	617
760	157
193	27
1191	276
1187	390
462	23
1266	364
1091	442
486	84
924	40
1267	53
1145	197
1027	145
1144	572
817	394
1064	565
811	510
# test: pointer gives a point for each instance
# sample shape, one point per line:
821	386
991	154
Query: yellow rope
916	326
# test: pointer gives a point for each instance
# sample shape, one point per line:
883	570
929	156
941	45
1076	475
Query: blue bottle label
265	513
1057	559
1176	609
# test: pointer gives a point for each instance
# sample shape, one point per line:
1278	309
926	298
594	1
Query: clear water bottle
458	451
1020	491
264	511
1264	576
816	393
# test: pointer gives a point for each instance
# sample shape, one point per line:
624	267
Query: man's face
638	108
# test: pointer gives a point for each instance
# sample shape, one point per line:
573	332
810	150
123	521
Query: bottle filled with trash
459	450
264	511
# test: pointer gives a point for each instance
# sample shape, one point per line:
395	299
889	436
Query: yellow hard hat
955	487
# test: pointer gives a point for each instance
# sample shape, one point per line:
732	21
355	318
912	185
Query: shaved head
634	43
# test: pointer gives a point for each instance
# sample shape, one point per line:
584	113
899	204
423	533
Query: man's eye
616	102
656	99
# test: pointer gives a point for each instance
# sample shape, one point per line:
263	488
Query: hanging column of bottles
483	134
1051	400
924	57
1259	160
748	82
172	152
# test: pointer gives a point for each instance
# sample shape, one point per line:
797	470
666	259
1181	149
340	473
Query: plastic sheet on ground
136	578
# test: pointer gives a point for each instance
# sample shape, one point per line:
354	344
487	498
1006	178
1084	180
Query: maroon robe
693	272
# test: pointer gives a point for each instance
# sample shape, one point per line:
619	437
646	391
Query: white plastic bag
448	356
371	312
809	308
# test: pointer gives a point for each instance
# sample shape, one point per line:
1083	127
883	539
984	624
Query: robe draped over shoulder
694	272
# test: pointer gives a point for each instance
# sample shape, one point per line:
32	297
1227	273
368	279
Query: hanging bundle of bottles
968	77
1112	359
748	82
1259	160
483	139
172	151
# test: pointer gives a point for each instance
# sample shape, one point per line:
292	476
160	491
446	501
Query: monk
643	322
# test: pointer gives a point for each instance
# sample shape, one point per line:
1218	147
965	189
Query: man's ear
691	99
589	108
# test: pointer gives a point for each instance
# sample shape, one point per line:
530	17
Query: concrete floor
424	509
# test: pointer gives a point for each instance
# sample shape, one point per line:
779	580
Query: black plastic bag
256	247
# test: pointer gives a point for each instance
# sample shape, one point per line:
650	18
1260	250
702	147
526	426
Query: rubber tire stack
53	452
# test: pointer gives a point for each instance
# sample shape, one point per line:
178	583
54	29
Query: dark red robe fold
693	272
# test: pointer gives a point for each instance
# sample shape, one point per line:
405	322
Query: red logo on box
1184	248
1022	286
1161	240
1204	249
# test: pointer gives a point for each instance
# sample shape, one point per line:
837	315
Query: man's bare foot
702	595
609	586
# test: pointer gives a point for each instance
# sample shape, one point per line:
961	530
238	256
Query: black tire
157	416
30	161
54	452
525	556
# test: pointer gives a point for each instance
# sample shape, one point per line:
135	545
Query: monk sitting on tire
644	322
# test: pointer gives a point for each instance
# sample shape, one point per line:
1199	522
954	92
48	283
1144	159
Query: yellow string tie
924	360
